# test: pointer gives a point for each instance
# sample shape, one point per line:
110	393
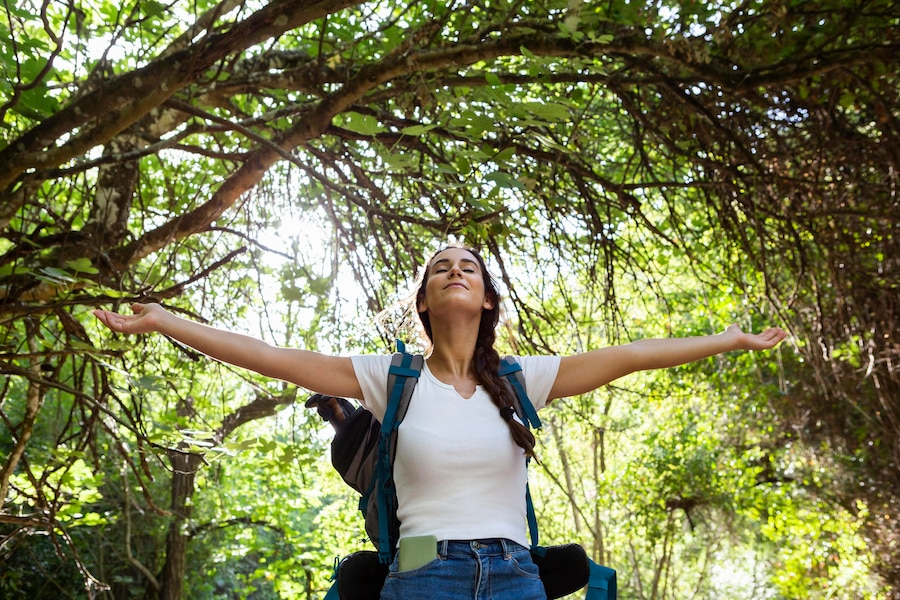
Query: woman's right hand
147	318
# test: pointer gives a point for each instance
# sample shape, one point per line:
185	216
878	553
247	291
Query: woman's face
455	279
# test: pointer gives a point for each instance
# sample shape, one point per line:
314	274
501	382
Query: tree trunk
171	578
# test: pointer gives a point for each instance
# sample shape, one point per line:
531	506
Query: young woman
460	465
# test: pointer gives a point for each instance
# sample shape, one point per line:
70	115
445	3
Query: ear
489	303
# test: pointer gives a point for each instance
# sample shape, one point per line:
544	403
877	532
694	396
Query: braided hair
486	359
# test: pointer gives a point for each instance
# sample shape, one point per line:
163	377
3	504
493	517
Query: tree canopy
630	170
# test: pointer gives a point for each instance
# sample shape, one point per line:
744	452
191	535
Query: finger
774	335
115	321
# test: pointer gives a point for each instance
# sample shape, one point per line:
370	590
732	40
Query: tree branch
34	398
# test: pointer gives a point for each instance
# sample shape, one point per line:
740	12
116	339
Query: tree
149	150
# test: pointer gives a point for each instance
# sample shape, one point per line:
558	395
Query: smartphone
417	551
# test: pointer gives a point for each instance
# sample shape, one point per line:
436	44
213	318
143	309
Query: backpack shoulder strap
511	370
601	583
402	377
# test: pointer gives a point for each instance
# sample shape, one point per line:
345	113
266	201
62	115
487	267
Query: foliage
283	168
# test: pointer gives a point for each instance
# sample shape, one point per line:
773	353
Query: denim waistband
482	547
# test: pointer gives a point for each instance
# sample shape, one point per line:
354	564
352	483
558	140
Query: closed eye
465	265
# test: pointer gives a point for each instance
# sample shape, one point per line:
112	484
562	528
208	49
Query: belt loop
442	549
506	553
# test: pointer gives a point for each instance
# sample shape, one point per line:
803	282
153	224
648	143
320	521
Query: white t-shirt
458	472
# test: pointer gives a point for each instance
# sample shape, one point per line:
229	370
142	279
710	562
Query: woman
460	465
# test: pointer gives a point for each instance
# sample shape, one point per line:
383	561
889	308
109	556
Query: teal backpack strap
332	593
602	583
532	518
402	377
511	370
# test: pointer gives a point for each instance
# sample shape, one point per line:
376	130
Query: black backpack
362	451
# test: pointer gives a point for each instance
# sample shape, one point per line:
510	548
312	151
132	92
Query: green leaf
848	100
152	8
54	275
549	111
292	293
82	265
504	155
242	445
472	123
505	180
92	519
605	38
362	124
417	129
10	269
443	168
398	162
111	293
150	383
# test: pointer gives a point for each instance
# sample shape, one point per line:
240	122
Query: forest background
630	169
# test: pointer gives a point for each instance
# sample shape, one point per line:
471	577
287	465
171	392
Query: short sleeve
372	375
540	375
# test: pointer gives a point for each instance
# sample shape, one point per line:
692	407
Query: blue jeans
478	570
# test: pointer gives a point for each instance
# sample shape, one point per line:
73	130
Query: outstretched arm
582	373
314	371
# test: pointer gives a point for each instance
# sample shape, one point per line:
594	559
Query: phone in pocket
417	551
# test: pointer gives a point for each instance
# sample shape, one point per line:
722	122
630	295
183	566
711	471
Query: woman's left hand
763	340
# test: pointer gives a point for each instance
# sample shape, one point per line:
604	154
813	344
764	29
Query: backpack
362	451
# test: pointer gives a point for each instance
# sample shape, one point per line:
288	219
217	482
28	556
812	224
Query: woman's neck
454	366
453	352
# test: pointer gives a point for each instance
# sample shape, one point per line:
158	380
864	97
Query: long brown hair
486	358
